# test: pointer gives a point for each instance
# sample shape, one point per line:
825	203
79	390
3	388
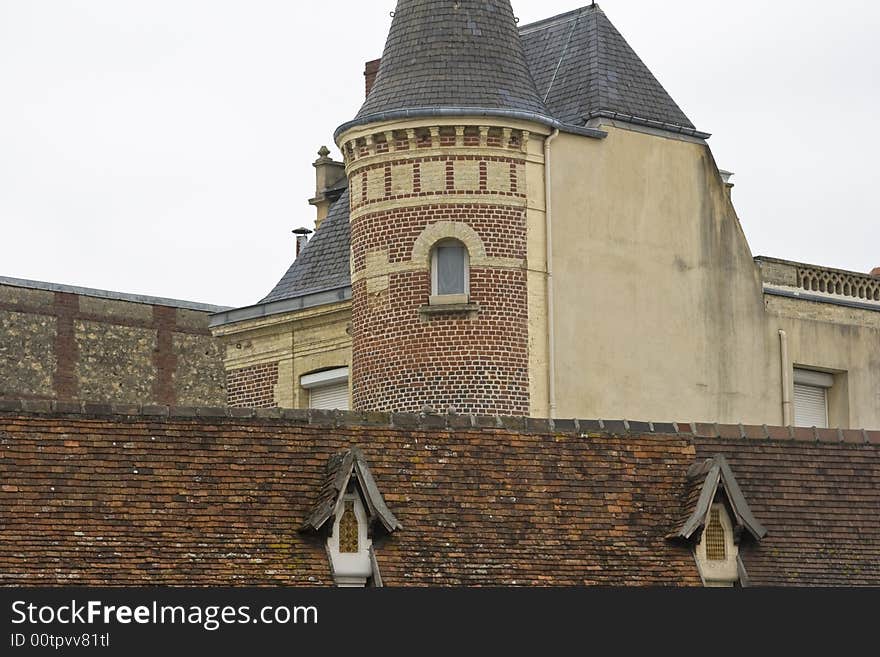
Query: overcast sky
165	147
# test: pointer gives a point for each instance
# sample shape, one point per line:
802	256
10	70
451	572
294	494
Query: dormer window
717	552
349	544
450	278
718	517
349	514
716	542
349	531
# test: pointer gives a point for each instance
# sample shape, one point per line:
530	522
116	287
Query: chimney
876	272
302	238
370	71
725	178
329	177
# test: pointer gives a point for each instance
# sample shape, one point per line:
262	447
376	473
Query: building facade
530	225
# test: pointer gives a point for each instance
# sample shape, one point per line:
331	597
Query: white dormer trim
351	569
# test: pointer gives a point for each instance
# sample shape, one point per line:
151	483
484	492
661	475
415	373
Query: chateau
526	223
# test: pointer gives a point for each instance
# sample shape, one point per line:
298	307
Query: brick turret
438	160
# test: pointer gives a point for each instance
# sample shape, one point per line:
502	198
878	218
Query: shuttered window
332	397
328	389
811	398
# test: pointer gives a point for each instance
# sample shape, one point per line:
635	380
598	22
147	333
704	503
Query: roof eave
455	112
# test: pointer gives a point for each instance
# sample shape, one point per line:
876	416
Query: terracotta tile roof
131	495
820	504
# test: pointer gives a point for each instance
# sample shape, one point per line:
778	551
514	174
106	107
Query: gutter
807	296
429	112
312	300
551	323
648	123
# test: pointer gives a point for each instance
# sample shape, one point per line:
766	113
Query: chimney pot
302	238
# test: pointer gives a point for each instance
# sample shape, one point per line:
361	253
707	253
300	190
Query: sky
165	147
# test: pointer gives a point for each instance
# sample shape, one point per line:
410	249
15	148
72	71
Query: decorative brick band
252	387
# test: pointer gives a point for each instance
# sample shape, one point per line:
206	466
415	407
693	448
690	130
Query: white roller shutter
810	406
331	397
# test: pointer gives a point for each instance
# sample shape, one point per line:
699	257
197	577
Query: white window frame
445	299
351	569
719	573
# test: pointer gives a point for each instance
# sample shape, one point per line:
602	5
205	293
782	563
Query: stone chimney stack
725	177
371	69
329	176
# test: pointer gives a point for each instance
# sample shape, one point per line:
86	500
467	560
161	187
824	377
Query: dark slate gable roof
452	56
324	262
584	68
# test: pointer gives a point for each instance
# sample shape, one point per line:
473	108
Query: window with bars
348	530
716	546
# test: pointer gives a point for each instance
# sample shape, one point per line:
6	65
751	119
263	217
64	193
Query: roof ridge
558	19
577	427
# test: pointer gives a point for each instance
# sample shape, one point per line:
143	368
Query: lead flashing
312	300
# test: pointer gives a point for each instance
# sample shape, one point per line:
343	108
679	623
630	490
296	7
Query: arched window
450	279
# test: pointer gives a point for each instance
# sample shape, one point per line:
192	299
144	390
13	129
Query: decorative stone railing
845	284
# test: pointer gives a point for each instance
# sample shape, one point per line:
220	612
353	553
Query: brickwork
252	387
73	347
431	183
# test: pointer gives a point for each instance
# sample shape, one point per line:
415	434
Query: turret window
450	279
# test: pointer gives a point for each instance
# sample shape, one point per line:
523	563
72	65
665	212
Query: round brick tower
440	160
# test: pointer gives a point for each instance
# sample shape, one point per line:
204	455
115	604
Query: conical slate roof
584	68
453	55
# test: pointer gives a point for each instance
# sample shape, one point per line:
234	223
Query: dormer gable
716	519
349	514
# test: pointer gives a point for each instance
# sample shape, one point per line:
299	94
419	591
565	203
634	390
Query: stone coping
423	422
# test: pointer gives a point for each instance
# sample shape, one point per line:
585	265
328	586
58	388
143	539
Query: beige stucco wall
829	335
659	311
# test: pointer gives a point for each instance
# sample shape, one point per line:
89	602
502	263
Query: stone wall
69	344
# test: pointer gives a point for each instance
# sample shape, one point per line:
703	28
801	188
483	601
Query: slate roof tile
462	54
584	68
324	262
